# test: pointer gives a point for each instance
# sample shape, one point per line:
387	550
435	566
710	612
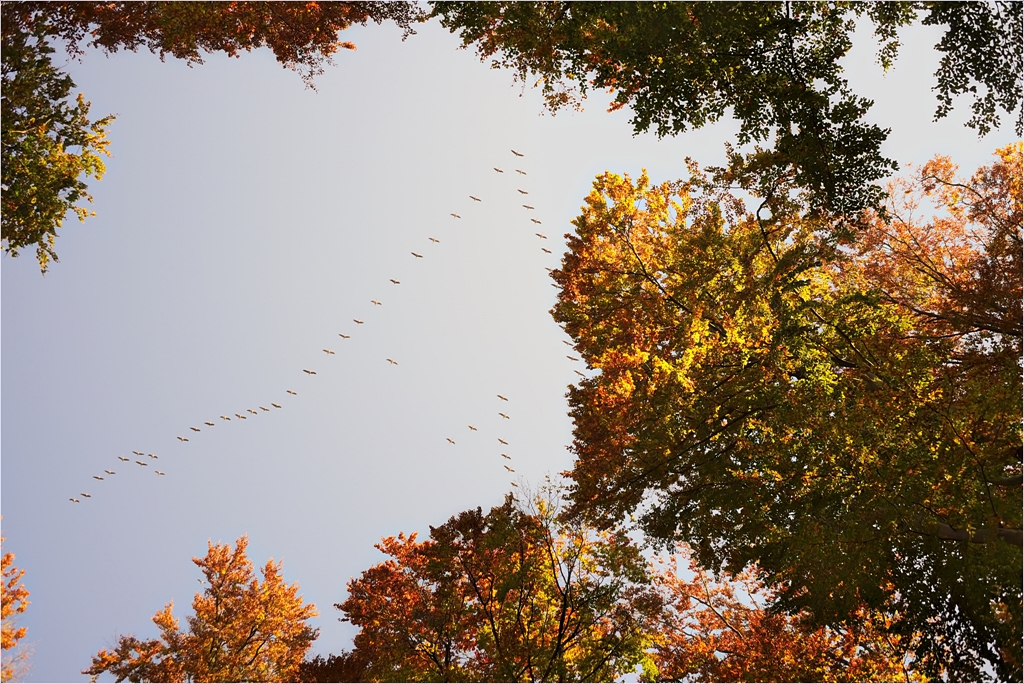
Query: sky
244	222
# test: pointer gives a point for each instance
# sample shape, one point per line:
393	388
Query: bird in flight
579	374
536	221
506	456
308	372
96	477
418	256
434	240
264	408
109	472
497	169
392	362
394	281
122	458
475	198
450	440
503	441
541	236
182	439
142	463
513	484
527	206
74	500
344	336
275	405
328	352
138	453
502	398
159	472
357	321
239	415
375	302
153	456
252	412
206	422
290	392
195	429
520	171
456	216
86	495
518	154
503	415
522	192
225	418
571	358
545	249
472	428
509	469
567	343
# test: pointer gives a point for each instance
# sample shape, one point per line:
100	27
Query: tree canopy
775	66
14	602
846	416
243	630
510	595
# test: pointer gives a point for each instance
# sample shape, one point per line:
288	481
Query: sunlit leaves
242	629
844	415
14	602
511	595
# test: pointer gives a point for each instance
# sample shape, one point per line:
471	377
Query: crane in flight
418	256
522	192
153	456
142	463
502	398
503	415
264	408
541	236
571	358
239	415
252	412
329	352
195	429
477	199
225	418
159	472
138	453
86	495
527	206
74	500
506	456
509	469
536	221
357	321
96	477
109	472
290	392
579	374
182	439
122	458
307	372
472	428
394	282
206	422
375	302
518	154
456	216
275	405
503	441
545	249
450	440
497	169
434	240
392	362
520	171
344	336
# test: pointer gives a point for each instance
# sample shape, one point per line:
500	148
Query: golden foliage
15	601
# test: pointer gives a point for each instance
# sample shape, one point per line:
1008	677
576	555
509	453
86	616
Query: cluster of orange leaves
15	601
242	629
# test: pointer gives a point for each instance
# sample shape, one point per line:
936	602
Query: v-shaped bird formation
309	372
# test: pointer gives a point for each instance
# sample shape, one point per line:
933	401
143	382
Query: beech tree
49	143
15	601
510	595
844	415
775	66
243	630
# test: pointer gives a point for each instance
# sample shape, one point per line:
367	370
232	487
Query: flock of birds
144	460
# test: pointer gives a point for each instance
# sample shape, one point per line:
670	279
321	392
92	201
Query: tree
774	65
49	142
15	601
846	416
242	630
720	631
511	595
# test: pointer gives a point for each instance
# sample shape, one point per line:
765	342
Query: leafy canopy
243	630
775	66
14	602
510	595
847	416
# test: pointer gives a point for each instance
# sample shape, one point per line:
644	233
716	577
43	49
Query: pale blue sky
243	223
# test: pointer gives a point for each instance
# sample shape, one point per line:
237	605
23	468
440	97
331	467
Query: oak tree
15	601
775	66
243	629
510	595
844	415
